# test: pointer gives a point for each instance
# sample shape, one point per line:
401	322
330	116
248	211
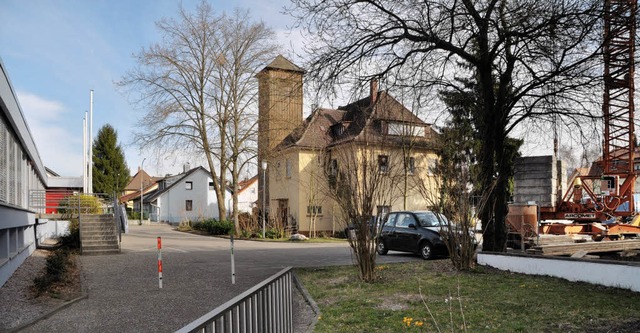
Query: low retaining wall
607	273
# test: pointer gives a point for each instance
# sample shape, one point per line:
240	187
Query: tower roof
283	63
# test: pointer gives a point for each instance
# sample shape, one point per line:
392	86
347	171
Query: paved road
123	293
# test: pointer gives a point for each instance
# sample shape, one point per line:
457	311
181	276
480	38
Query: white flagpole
90	166
84	153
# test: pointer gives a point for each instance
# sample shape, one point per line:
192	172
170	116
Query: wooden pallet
588	247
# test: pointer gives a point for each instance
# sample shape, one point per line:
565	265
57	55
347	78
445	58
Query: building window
411	165
405	129
287	165
188	205
277	171
383	163
333	168
211	186
383	210
314	210
188	185
431	165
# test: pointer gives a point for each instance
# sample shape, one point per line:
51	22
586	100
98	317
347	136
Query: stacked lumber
560	249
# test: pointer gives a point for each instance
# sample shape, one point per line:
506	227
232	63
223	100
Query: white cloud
59	148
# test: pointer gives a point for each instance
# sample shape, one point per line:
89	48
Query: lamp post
141	191
264	195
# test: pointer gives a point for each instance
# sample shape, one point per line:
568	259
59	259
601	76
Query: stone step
102	241
100	252
105	221
96	236
99	247
94	218
109	228
99	235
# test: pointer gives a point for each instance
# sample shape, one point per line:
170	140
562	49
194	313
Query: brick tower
279	113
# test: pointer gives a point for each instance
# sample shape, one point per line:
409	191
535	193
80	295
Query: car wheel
381	248
426	251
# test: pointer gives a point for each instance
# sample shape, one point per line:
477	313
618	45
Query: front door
283	213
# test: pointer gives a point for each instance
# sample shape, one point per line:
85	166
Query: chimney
373	91
186	167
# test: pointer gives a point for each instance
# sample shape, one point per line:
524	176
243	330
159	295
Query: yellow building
371	151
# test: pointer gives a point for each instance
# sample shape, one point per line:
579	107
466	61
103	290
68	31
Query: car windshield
430	219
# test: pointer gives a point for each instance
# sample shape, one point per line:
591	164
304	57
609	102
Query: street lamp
264	195
141	190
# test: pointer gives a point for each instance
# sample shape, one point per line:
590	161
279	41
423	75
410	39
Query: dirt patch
397	302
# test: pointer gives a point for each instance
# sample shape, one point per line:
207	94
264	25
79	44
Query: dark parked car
413	231
372	224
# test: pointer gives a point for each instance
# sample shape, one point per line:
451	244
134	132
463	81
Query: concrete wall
51	229
608	273
21	171
536	179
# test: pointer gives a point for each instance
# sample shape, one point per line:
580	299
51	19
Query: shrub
131	215
214	227
274	233
87	204
55	270
72	239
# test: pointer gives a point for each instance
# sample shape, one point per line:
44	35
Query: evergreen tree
110	170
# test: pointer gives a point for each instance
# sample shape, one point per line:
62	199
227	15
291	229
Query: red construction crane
614	177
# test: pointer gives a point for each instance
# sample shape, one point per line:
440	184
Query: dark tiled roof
283	63
358	121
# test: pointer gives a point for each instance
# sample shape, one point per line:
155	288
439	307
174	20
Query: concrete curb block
307	297
84	294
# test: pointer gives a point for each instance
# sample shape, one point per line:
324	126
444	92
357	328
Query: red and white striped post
160	262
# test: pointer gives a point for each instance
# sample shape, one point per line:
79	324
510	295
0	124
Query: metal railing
68	202
265	308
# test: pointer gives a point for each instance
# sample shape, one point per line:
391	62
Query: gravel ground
19	304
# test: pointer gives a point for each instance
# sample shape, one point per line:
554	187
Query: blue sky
55	52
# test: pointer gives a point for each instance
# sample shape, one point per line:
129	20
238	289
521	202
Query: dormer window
405	129
339	128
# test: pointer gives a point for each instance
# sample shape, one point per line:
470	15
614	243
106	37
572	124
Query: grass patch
491	301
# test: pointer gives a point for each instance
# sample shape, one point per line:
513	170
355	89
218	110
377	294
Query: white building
21	173
185	197
247	195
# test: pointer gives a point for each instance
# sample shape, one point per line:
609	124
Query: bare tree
315	184
357	183
200	93
518	52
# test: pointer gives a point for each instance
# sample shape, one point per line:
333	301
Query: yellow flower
407	321
418	323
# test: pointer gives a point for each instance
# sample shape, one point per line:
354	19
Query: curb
307	297
84	294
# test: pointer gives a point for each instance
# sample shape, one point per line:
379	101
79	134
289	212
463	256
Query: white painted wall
172	203
51	229
247	197
611	274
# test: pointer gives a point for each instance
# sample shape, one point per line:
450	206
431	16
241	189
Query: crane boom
618	106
